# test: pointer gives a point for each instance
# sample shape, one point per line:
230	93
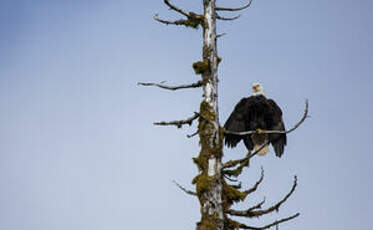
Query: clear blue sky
77	147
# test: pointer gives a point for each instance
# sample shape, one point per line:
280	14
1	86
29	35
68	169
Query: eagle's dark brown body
252	113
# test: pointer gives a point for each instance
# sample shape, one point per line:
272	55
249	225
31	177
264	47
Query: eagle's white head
258	89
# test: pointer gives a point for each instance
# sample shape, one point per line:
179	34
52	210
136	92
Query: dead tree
213	189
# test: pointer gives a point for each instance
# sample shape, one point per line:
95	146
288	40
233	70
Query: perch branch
227	19
161	85
184	189
251	213
234	9
243	226
179	123
172	7
274	131
258	150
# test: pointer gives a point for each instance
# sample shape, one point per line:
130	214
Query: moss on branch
231	195
201	67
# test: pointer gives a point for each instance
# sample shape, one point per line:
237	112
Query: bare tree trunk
209	181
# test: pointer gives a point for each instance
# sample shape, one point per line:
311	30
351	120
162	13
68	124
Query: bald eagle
256	113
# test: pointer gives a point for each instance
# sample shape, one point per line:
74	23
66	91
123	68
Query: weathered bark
209	182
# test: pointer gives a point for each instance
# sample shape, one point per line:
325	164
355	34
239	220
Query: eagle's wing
278	140
237	123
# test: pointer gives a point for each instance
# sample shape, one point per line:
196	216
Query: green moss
230	224
201	67
206	130
232	194
194	20
203	183
206	111
201	161
221	136
236	172
210	147
192	23
208	222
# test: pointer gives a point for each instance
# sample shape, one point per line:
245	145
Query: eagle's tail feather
263	151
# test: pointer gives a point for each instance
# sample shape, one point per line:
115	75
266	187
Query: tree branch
161	85
258	150
187	23
258	206
233	163
172	7
234	9
227	19
251	213
184	189
274	131
236	186
178	22
192	135
179	123
204	118
230	179
237	171
253	189
220	35
243	226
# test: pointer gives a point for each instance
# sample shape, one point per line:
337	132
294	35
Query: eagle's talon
259	131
